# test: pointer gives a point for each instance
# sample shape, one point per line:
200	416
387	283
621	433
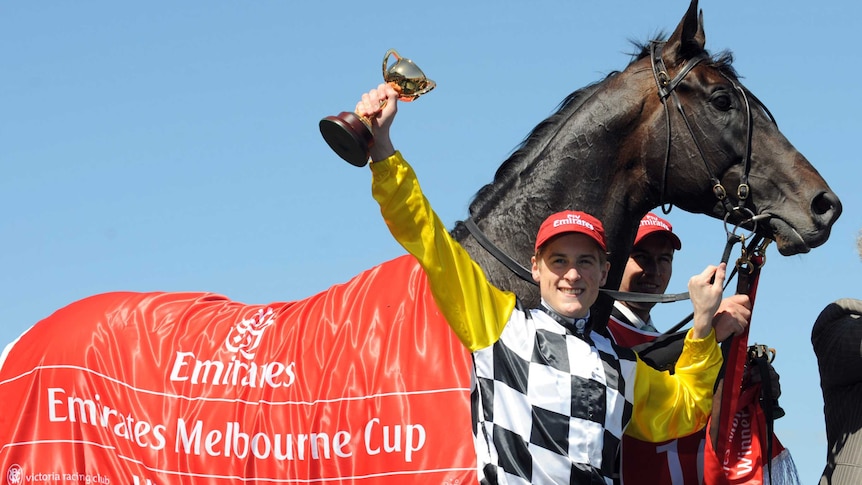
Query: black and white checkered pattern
551	406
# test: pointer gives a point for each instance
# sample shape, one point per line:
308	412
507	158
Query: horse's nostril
826	204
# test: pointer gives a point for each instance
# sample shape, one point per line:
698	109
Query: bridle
667	89
751	260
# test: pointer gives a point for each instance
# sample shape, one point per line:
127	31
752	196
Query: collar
634	320
576	325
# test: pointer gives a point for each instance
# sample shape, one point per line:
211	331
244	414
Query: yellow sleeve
671	406
475	309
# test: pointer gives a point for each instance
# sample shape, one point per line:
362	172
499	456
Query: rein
526	275
514	266
737	355
756	245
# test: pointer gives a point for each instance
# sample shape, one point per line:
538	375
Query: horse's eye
721	100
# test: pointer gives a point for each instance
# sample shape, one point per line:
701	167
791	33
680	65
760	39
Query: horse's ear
688	39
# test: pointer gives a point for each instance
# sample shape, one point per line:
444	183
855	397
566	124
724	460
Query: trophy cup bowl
349	134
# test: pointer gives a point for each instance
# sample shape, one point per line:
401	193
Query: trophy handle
390	52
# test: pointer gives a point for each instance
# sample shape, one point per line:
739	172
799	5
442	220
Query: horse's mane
511	165
723	61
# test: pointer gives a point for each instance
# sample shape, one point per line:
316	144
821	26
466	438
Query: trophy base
348	137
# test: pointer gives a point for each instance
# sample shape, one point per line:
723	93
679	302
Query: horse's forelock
723	60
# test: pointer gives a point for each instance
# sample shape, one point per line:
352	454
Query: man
648	270
552	398
837	341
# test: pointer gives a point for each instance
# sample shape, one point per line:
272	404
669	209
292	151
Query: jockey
551	397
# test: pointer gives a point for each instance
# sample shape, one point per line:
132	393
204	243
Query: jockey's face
570	269
648	270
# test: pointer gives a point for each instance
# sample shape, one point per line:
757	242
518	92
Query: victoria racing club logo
245	336
15	475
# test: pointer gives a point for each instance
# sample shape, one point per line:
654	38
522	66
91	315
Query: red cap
571	221
652	224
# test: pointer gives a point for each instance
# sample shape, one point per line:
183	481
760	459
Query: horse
364	380
618	156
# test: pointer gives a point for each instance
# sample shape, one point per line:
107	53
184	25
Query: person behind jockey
648	270
551	398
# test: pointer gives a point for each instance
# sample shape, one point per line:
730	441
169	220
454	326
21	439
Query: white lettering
69	477
142	429
233	442
745	466
341	439
261	440
179	363
187	367
674	466
233	436
85	407
191	442
573	219
93	412
415	437
392	440
212	439
53	404
368	428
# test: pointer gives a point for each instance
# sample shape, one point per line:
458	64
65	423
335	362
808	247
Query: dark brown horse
675	126
364	381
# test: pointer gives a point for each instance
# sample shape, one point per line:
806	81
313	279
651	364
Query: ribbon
719	458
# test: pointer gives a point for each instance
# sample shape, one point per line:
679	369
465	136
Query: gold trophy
349	134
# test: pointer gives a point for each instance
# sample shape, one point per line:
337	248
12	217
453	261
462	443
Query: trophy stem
349	136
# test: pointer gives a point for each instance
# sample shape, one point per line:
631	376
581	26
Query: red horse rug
362	382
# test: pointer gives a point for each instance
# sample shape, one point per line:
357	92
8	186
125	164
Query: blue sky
174	146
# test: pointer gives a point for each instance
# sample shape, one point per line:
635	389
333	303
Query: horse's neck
576	165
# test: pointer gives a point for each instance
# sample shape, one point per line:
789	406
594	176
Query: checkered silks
550	406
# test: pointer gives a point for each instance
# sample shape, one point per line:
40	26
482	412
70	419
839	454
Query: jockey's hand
379	106
733	315
705	291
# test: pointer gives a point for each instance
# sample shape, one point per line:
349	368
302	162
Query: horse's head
724	155
675	127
